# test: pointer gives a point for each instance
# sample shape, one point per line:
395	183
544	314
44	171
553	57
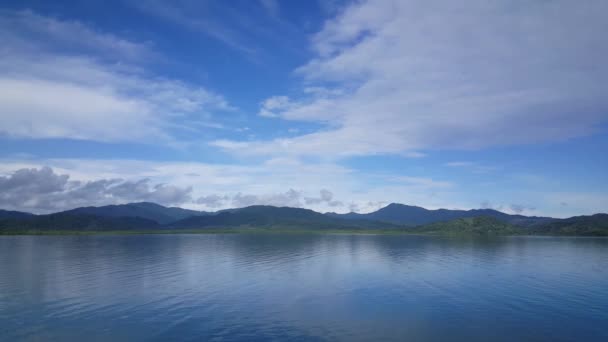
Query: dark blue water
302	287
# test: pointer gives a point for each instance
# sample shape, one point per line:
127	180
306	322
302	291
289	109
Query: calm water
302	287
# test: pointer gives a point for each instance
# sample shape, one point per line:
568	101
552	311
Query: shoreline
267	231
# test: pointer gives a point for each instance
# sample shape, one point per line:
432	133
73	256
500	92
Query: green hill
470	226
261	216
145	210
594	225
70	222
10	214
154	217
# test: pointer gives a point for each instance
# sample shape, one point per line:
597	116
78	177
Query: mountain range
146	210
413	216
152	216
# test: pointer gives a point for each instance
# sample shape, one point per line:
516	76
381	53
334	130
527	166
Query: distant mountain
413	216
594	225
269	216
150	216
75	222
146	210
8	214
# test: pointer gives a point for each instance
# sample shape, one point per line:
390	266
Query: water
302	287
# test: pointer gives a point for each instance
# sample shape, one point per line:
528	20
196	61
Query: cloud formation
41	190
212	187
215	185
514	208
244	28
290	198
325	196
422	75
71	94
53	34
213	201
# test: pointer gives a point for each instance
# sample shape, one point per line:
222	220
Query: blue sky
328	105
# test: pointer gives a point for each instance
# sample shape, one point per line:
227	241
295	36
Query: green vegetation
260	216
277	230
268	219
145	210
8	214
69	222
470	226
594	225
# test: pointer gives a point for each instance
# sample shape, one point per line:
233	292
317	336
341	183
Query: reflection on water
302	287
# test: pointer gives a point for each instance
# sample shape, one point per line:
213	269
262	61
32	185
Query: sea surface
302	287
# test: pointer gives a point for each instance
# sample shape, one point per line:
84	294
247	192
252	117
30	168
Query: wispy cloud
412	76
195	16
29	31
49	91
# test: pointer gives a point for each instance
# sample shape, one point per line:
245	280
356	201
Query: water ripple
302	287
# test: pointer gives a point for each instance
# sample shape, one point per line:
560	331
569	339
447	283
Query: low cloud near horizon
42	190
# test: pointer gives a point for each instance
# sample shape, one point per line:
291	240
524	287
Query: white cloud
42	190
46	94
420	75
320	186
325	197
213	201
290	198
276	103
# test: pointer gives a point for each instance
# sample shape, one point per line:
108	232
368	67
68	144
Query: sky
329	105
